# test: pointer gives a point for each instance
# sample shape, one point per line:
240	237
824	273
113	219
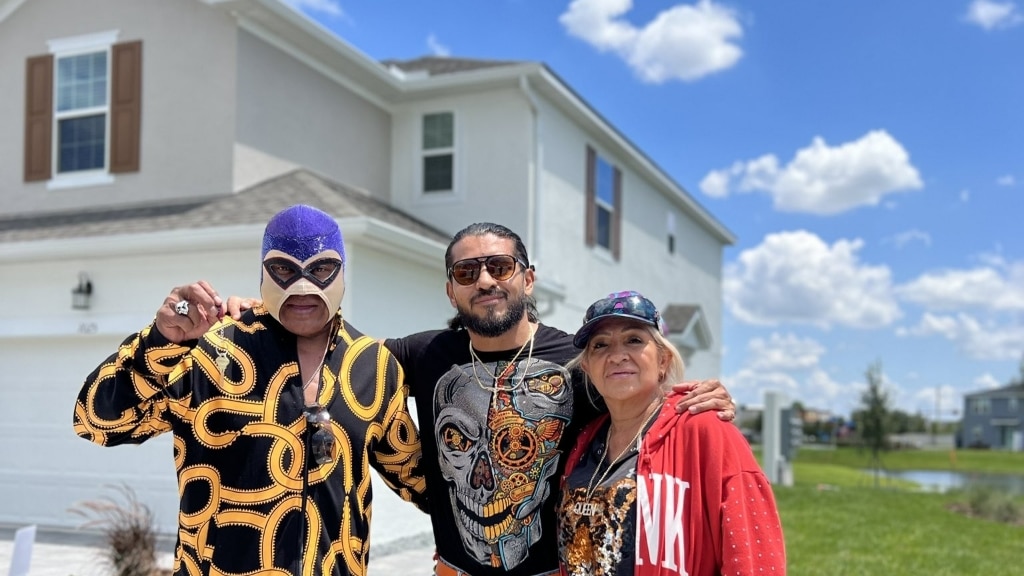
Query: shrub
128	530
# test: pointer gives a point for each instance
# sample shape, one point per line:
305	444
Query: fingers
189	311
706	395
236	305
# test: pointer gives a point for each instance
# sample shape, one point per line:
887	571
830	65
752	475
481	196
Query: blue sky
868	155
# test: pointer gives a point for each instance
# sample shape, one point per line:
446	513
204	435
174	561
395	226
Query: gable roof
254	205
687	326
1011	389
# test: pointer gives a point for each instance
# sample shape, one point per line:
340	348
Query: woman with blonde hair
647	491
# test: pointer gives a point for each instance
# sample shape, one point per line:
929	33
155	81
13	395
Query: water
943	480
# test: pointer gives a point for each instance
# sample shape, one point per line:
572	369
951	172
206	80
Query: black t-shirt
494	438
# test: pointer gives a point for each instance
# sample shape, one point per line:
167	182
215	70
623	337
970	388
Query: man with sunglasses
275	413
497	409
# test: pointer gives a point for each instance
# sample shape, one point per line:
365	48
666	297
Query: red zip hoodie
704	507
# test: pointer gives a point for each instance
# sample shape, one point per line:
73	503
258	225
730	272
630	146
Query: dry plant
128	529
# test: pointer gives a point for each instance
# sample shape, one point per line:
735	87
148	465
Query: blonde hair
673	374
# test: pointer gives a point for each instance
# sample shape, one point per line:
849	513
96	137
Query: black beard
492	326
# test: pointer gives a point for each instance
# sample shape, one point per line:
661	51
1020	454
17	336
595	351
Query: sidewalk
73	554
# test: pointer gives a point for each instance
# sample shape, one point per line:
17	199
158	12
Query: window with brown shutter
76	125
125	107
38	117
604	204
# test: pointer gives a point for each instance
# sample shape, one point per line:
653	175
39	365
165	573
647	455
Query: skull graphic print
497	429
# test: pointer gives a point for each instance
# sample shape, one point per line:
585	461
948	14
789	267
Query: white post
21	558
771	435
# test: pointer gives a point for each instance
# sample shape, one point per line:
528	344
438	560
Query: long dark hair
482	229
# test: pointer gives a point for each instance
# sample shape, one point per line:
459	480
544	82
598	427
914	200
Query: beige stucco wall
492	161
692	275
292	113
188	95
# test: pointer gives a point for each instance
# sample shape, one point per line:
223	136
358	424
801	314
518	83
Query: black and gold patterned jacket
252	498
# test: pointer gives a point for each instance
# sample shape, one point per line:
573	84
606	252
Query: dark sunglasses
286	272
500	267
322	441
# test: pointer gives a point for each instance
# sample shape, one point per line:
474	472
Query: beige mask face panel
300	278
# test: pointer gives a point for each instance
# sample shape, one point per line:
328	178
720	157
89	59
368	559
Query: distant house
144	144
994	418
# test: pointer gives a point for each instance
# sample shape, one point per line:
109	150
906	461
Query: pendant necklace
588	507
506	372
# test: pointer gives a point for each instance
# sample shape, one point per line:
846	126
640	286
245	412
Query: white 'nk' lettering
649	515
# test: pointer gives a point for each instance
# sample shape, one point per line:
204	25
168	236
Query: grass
986	461
838	523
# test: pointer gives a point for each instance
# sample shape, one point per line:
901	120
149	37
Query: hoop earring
661	377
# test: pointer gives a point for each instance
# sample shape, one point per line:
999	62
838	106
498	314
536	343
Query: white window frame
424	153
77	46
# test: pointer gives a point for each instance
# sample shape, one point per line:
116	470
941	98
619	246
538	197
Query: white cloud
329	7
993	15
436	48
1007	180
988	381
992	288
797	277
784	352
716	184
977	340
821	179
685	42
914	235
939	402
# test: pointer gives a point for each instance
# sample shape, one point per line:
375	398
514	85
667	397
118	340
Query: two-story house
144	145
994	418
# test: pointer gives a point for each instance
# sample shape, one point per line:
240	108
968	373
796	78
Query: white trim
8	8
83	44
82	179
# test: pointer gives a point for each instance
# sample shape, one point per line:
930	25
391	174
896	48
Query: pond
943	480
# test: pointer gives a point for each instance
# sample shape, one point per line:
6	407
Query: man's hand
236	305
705	395
189	311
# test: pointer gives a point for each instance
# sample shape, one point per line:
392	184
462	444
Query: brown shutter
590	218
125	107
38	117
617	216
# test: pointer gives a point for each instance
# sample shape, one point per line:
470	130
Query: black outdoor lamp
81	294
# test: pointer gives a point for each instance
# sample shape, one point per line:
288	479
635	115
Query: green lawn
837	522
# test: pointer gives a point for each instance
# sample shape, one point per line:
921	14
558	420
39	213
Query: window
438	152
979	406
83	110
1013	405
604	203
670	226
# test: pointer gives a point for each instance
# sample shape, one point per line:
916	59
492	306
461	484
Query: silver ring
181	308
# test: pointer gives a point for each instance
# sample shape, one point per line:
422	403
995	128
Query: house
144	144
994	418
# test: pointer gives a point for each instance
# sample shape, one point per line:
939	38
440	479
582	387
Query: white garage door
46	467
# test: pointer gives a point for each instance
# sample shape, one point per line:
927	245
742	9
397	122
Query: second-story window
604	203
81	112
438	152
